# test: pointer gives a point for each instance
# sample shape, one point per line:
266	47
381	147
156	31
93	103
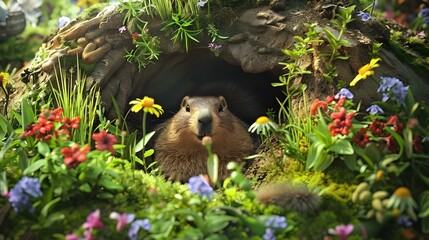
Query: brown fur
179	151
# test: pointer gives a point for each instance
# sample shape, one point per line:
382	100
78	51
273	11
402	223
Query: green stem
6	93
144	135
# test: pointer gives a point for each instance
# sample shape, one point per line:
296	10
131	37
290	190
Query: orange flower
316	105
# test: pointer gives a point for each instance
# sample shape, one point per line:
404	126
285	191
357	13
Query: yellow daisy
366	71
148	105
4	79
262	125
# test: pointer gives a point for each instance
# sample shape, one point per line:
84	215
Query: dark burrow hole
248	95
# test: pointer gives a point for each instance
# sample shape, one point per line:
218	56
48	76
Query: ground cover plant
353	172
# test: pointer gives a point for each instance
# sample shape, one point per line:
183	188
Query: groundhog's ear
184	101
223	102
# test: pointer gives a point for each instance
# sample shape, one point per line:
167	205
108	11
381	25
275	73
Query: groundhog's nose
204	123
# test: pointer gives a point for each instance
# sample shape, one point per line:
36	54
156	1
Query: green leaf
85	188
424	204
324	161
143	141
218	222
35	166
342	146
45	210
149	153
106	182
105	195
425	225
314	154
408	142
43	148
27	113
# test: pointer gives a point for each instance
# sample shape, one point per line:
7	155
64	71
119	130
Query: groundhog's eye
220	108
188	108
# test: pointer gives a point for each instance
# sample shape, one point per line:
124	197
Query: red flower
135	36
329	99
417	143
342	122
74	155
340	102
393	120
67	123
376	127
391	143
316	105
361	138
41	131
52	115
104	141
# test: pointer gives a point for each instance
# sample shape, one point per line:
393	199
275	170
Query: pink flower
421	35
123	219
72	237
342	231
93	220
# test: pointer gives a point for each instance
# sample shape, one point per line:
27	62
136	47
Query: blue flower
424	12
133	232
20	194
426	20
199	186
344	92
276	222
365	16
269	234
393	88
374	109
404	221
62	21
201	3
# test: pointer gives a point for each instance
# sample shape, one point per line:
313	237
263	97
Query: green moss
92	11
412	51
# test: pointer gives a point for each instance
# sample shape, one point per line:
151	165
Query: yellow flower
4	79
262	125
86	3
378	175
366	71
148	105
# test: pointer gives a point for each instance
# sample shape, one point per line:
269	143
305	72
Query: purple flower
276	222
404	221
62	21
133	232
424	12
365	16
198	185
214	46
122	29
93	220
269	234
344	92
342	231
374	109
123	219
19	196
201	3
426	20
392	88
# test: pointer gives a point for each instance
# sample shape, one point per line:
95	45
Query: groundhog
178	148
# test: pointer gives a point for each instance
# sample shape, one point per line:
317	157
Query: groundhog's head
206	116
